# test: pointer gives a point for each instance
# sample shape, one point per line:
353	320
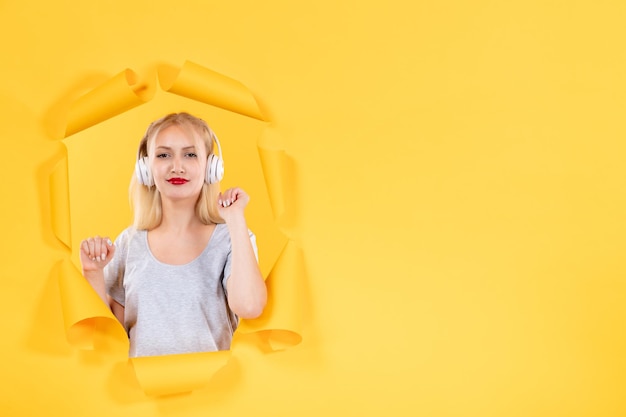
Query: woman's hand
95	253
231	203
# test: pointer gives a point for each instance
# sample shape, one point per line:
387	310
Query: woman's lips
177	181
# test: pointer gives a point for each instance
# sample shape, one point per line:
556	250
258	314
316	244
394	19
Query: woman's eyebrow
167	148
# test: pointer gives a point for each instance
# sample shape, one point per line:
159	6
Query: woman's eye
192	155
162	155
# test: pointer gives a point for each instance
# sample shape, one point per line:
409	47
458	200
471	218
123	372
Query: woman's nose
177	165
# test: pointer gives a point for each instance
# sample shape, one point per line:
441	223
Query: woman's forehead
176	136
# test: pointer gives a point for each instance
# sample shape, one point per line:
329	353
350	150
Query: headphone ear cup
142	171
214	169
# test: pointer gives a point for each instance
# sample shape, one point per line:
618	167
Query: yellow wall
459	201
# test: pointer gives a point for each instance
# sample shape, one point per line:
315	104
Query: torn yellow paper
176	374
279	178
60	203
119	94
210	87
89	323
99	123
281	320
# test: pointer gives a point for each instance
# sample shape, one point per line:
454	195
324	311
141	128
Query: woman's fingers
104	250
91	242
226	198
84	247
230	196
97	249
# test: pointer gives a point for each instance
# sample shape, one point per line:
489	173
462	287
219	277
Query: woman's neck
178	217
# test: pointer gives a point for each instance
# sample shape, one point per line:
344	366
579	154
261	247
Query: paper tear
177	374
202	84
279	179
88	321
60	203
281	320
119	94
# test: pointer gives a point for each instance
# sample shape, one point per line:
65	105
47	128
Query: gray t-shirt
172	309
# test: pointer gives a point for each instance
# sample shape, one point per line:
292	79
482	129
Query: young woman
180	278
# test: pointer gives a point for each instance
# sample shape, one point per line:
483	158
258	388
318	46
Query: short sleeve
115	270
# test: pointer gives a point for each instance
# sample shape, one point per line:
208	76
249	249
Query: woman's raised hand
232	202
96	252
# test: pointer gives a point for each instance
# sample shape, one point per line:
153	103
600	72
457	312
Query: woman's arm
95	253
247	293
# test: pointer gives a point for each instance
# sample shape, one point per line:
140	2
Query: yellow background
460	198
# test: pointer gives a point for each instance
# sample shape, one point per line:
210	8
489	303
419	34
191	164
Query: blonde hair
146	201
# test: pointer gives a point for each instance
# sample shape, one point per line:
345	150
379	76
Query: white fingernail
102	257
109	242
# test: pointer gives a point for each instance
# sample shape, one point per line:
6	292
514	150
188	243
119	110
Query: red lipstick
177	181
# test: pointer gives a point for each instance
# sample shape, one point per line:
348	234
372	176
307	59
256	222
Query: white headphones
214	167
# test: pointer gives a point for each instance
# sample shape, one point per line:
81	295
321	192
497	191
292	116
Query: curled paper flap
177	374
281	321
89	323
117	95
274	165
210	87
279	180
60	202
